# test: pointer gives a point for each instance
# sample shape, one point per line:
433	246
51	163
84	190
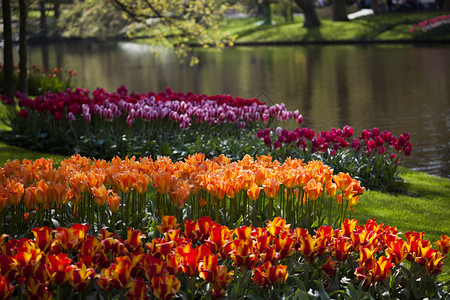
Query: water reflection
399	88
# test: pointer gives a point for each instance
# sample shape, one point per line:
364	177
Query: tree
43	19
339	10
446	5
23	46
91	19
56	5
287	10
267	12
177	22
309	11
8	71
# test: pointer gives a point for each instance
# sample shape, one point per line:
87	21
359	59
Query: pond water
395	87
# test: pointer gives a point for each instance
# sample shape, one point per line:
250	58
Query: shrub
40	81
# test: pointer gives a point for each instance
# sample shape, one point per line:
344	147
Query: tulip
15	191
43	237
307	247
444	244
271	187
341	248
6	288
268	274
396	251
168	223
277	226
137	289
329	268
100	194
81	277
253	192
60	268
165	286
331	188
313	189
113	202
161	182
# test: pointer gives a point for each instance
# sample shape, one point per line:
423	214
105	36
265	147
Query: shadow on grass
313	34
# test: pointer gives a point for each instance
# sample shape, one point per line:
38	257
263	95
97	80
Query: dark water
395	87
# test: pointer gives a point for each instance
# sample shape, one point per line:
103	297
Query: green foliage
41	81
91	19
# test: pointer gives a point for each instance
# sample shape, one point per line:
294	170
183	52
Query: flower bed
432	27
121	193
108	124
210	260
373	157
173	124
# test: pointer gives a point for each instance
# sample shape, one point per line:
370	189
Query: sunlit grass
393	26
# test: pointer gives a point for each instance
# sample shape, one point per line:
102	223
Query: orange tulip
15	191
331	188
247	179
342	181
59	193
30	198
253	192
113	202
161	181
180	194
100	194
42	192
141	183
313	189
302	179
260	176
271	187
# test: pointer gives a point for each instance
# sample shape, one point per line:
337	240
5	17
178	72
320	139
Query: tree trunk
267	13
56	4
339	10
375	7
287	11
43	19
8	71
446	5
23	46
309	11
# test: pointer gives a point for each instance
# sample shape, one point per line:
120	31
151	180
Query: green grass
386	27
